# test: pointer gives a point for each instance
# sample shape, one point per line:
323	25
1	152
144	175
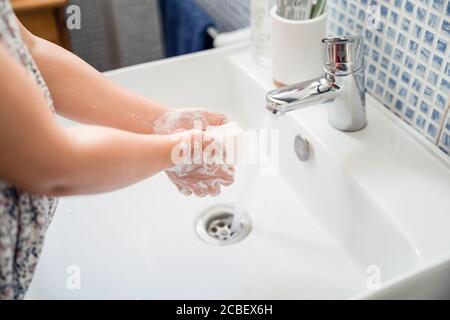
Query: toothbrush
295	9
318	8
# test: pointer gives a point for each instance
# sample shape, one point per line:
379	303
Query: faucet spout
301	95
342	84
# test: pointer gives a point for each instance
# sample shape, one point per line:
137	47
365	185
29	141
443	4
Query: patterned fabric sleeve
24	217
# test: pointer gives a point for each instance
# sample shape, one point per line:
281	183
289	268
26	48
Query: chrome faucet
342	83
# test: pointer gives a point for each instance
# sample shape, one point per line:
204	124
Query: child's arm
83	94
40	156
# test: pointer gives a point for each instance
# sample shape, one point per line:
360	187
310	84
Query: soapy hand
177	120
198	174
199	165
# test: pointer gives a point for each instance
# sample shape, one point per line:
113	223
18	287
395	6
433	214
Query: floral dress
24	217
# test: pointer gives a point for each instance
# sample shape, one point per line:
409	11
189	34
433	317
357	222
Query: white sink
369	205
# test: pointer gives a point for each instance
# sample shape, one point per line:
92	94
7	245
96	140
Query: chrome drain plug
214	226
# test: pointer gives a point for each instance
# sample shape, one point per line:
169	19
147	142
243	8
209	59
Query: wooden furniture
44	18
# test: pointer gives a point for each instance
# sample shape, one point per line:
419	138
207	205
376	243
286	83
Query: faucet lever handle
342	55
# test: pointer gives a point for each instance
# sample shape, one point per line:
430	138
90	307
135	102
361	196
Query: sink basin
368	216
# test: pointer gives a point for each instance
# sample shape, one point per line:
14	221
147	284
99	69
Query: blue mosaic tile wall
408	58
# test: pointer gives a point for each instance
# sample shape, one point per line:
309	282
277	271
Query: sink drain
214	226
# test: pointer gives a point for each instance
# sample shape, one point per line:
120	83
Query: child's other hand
177	120
202	169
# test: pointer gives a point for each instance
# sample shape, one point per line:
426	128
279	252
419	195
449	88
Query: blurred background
119	33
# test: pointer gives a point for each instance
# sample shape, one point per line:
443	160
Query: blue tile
413	47
420	70
392	83
384	63
437	62
375	55
428	94
398	105
372	69
382	76
413	99
448	10
394	18
350	24
405	24
438	4
334	13
441	45
379	90
446	140
409	6
447	126
369	35
352	9
417	31
395	70
369	83
441	102
390	33
421	13
406	78
420	122
366	51
447	69
388	48
424	107
398	55
403	92
445	85
436	116
428	38
398	3
401	39
433	21
383	11
332	27
409	63
446	27
417	85
432	130
424	54
388	97
361	15
432	78
377	41
359	29
409	113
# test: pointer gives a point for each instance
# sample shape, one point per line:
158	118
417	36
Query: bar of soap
231	136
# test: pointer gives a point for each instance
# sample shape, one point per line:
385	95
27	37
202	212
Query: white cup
296	48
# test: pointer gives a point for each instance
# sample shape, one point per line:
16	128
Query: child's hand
200	178
177	120
201	169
